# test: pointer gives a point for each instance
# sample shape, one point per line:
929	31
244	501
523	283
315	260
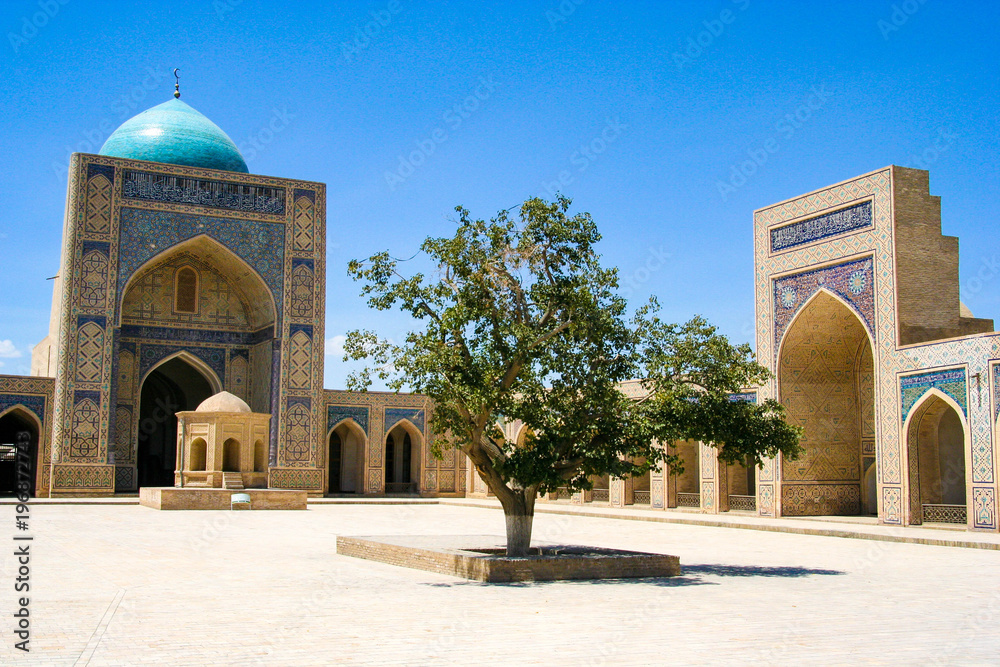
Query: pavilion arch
199	454
347	445
938	453
821	385
231	460
252	290
403	465
259	456
13	419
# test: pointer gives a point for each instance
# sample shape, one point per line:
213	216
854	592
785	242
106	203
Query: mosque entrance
936	458
345	459
826	382
402	459
18	451
171	387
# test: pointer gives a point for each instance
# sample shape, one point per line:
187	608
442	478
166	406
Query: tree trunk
519	512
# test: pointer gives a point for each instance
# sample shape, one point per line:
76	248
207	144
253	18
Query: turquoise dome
175	133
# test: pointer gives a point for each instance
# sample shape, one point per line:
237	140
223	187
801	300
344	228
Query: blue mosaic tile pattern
99	320
180	334
996	390
394	415
34	403
101	169
950	382
823	226
852	281
147	186
145	234
214	358
83	394
338	413
100	246
746	397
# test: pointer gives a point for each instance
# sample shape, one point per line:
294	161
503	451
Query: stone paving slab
857	527
122	585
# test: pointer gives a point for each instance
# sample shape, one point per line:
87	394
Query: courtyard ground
127	585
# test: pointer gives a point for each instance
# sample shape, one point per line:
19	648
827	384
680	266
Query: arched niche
346	446
819	372
20	429
403	446
180	382
937	438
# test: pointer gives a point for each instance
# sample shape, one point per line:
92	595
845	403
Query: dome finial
177	83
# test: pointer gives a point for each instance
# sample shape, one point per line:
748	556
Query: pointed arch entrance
345	458
937	441
19	430
202	293
403	445
174	385
826	382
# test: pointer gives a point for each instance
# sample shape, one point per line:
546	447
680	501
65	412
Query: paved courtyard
127	585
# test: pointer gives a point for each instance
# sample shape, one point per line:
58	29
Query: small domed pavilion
222	444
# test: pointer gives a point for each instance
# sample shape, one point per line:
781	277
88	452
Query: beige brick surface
127	585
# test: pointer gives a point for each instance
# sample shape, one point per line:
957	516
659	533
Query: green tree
520	321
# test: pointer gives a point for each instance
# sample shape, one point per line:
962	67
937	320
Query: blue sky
636	110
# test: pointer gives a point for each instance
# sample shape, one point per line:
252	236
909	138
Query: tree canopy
521	322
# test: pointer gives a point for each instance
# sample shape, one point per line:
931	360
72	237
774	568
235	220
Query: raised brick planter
481	558
191	498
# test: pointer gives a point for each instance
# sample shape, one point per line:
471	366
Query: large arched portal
201	292
18	451
936	452
345	458
171	387
402	458
826	382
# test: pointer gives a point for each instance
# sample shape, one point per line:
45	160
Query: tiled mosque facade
895	384
177	282
858	315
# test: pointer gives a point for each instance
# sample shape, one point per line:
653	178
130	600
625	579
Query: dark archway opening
336	453
173	387
18	452
402	461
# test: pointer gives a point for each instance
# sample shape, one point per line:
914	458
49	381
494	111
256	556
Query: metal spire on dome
177	83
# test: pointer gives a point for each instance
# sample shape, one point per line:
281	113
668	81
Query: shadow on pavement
689	577
755	571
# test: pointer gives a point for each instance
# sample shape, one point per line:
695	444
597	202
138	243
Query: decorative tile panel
852	281
338	413
951	382
823	226
395	415
147	186
984	508
145	234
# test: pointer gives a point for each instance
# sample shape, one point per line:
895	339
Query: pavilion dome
175	133
223	402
